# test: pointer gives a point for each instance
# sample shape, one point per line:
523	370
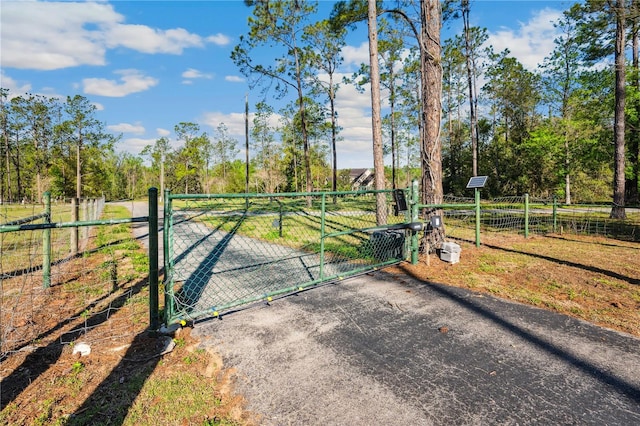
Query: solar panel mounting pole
477	182
477	217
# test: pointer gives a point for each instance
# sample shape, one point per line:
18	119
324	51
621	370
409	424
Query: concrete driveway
382	349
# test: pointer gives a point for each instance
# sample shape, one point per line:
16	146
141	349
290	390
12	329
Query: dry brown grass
596	279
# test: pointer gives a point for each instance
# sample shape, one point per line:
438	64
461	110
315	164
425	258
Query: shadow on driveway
389	349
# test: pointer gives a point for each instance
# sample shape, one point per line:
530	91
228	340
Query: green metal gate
226	250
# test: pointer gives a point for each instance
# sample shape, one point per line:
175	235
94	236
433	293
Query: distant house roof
355	173
361	178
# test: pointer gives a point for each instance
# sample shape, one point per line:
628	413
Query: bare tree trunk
246	144
334	136
618	210
378	157
432	111
567	176
79	166
631	185
303	125
471	83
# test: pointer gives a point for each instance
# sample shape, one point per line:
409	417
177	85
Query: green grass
180	399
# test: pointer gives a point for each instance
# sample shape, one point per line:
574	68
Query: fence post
477	196
74	230
555	214
414	218
46	243
154	310
322	230
168	269
85	216
526	215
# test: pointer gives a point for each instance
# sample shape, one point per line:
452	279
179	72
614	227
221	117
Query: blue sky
149	65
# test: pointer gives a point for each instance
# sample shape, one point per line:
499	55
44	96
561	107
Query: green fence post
280	217
154	310
477	217
75	217
46	243
555	214
414	218
526	215
84	216
166	250
322	230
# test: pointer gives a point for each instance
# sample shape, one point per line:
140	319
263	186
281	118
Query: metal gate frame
223	251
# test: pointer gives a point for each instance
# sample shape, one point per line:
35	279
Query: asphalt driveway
383	349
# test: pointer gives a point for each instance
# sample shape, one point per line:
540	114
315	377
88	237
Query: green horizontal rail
216	311
446	206
280	194
475	207
25	220
38	226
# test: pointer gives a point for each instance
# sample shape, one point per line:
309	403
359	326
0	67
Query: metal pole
85	216
280	217
555	214
526	215
477	217
414	218
74	231
322	229
46	243
168	270
154	310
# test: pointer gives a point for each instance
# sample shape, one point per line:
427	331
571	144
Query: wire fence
222	251
529	215
63	282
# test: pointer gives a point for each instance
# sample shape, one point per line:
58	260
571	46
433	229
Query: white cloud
136	129
163	132
192	74
354	116
131	81
355	55
52	35
99	106
55	35
532	41
135	146
219	39
234	79
234	122
15	88
151	40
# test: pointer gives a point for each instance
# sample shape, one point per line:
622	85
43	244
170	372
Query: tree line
455	108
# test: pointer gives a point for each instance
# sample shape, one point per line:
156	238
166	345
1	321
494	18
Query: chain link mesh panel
226	251
507	214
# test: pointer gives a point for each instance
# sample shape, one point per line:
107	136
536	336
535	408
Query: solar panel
477	182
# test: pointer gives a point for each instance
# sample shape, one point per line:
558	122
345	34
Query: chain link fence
223	251
534	215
